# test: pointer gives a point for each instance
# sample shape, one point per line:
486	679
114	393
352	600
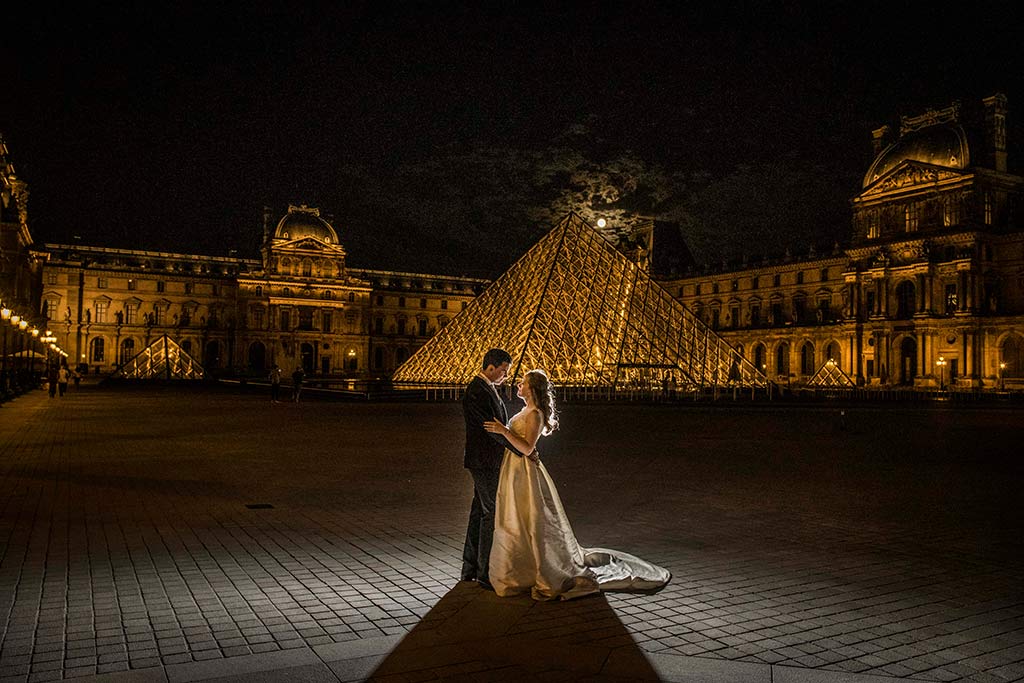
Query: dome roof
303	221
939	145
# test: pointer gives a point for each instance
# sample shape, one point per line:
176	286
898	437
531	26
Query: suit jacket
484	450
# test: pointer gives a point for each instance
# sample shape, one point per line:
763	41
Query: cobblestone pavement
171	534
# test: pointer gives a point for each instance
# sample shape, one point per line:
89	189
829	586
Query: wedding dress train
535	549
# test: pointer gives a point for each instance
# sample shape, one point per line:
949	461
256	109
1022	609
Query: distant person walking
275	384
297	378
63	376
51	380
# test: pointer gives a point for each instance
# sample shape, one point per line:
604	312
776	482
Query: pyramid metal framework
829	375
578	308
162	359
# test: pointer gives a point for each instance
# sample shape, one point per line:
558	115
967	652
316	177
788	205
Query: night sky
444	139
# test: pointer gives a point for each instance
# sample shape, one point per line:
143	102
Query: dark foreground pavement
804	546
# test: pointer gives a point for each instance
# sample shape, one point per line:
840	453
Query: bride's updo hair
544	395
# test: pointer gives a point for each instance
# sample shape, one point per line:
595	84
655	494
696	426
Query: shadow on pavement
473	634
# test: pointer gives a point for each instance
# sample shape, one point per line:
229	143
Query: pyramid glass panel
162	359
578	308
829	375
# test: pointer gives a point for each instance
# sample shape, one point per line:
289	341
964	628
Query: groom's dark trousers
484	453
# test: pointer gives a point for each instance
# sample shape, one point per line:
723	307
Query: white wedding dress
535	549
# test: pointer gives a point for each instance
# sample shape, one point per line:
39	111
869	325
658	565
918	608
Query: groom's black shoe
485	585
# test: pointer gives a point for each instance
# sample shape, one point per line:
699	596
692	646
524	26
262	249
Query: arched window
307	268
833	353
259	290
96	350
906	300
351	297
127	350
257	356
1011	356
759	358
782	359
807	359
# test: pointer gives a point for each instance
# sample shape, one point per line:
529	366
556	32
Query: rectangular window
305	318
216	289
160	315
755	283
51	309
870	367
189	287
950	212
160	285
824	310
910	216
873	225
401	326
871	303
378	358
378	326
464	304
423	303
401	302
824	274
101	312
714	318
131	314
776	280
51	278
444	304
257	317
800	277
423	328
755	314
380	301
286	320
101	283
952	300
698	289
326	319
776	313
131	284
734	314
987	204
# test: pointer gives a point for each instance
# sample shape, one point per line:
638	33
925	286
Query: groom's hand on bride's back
534	457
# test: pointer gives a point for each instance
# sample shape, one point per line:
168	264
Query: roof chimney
995	131
880	139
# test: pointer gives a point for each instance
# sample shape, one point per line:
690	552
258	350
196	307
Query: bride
534	547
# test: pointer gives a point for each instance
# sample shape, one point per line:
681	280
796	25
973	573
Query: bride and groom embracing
519	539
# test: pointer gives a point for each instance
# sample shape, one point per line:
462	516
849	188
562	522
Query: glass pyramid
163	359
578	308
829	375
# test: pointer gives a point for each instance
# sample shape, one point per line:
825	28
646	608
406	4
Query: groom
484	453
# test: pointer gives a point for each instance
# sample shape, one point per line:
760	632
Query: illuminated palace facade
299	304
929	291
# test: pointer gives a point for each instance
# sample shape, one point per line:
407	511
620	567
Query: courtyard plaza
174	533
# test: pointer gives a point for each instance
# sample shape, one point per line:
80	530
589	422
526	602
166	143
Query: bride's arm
524	444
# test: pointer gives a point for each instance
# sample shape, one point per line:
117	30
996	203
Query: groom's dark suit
484	452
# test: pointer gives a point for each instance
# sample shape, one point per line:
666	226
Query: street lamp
5	314
1002	369
941	362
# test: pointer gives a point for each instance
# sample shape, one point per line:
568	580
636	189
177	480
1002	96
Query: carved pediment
910	174
308	244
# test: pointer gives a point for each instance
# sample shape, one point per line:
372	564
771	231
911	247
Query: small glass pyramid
162	359
829	375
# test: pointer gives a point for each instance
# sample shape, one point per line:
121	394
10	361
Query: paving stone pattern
882	542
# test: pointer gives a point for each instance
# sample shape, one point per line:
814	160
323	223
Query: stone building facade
299	304
929	291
